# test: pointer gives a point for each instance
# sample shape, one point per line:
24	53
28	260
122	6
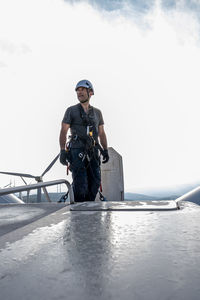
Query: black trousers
86	174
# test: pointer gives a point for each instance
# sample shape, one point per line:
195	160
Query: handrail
191	196
29	187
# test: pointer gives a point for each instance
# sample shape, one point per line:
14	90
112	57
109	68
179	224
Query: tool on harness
63	198
81	155
68	168
101	197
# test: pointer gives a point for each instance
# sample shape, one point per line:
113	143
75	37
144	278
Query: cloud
148	77
10	51
24	48
7	46
140	13
112	5
138	9
3	65
192	6
12	48
141	6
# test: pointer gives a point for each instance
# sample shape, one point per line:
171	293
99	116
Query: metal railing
29	187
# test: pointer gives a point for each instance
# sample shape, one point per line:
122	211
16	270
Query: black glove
63	157
105	156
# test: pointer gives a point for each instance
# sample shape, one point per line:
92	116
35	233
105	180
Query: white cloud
2	65
146	83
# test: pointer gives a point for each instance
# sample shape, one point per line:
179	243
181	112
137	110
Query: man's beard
84	100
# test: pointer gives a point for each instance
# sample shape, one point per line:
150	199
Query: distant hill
164	193
157	193
140	197
135	197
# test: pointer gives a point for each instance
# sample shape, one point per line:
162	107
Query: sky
143	58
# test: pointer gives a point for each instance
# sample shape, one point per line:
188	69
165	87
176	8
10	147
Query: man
82	152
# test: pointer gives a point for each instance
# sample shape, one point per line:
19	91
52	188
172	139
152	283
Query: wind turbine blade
51	165
18	174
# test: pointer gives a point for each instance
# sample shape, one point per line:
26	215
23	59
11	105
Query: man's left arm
103	141
102	137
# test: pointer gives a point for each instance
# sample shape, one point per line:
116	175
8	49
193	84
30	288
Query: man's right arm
63	135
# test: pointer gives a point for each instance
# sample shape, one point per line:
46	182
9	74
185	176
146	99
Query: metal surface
126	206
192	196
112	178
104	255
6	199
13	216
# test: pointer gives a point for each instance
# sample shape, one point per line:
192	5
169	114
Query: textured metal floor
126	206
13	216
113	255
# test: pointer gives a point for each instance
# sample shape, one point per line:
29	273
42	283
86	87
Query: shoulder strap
86	118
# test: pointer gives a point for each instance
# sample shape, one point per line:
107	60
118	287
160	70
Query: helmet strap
88	94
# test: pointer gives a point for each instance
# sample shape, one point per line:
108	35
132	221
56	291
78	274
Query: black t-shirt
79	120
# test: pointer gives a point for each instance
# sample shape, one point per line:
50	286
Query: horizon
163	191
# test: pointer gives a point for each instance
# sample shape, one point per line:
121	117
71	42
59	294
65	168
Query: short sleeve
67	116
101	121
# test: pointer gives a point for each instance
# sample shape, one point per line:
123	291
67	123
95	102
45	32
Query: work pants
86	174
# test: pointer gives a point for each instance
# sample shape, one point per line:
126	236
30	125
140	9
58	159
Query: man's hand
63	157
105	156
